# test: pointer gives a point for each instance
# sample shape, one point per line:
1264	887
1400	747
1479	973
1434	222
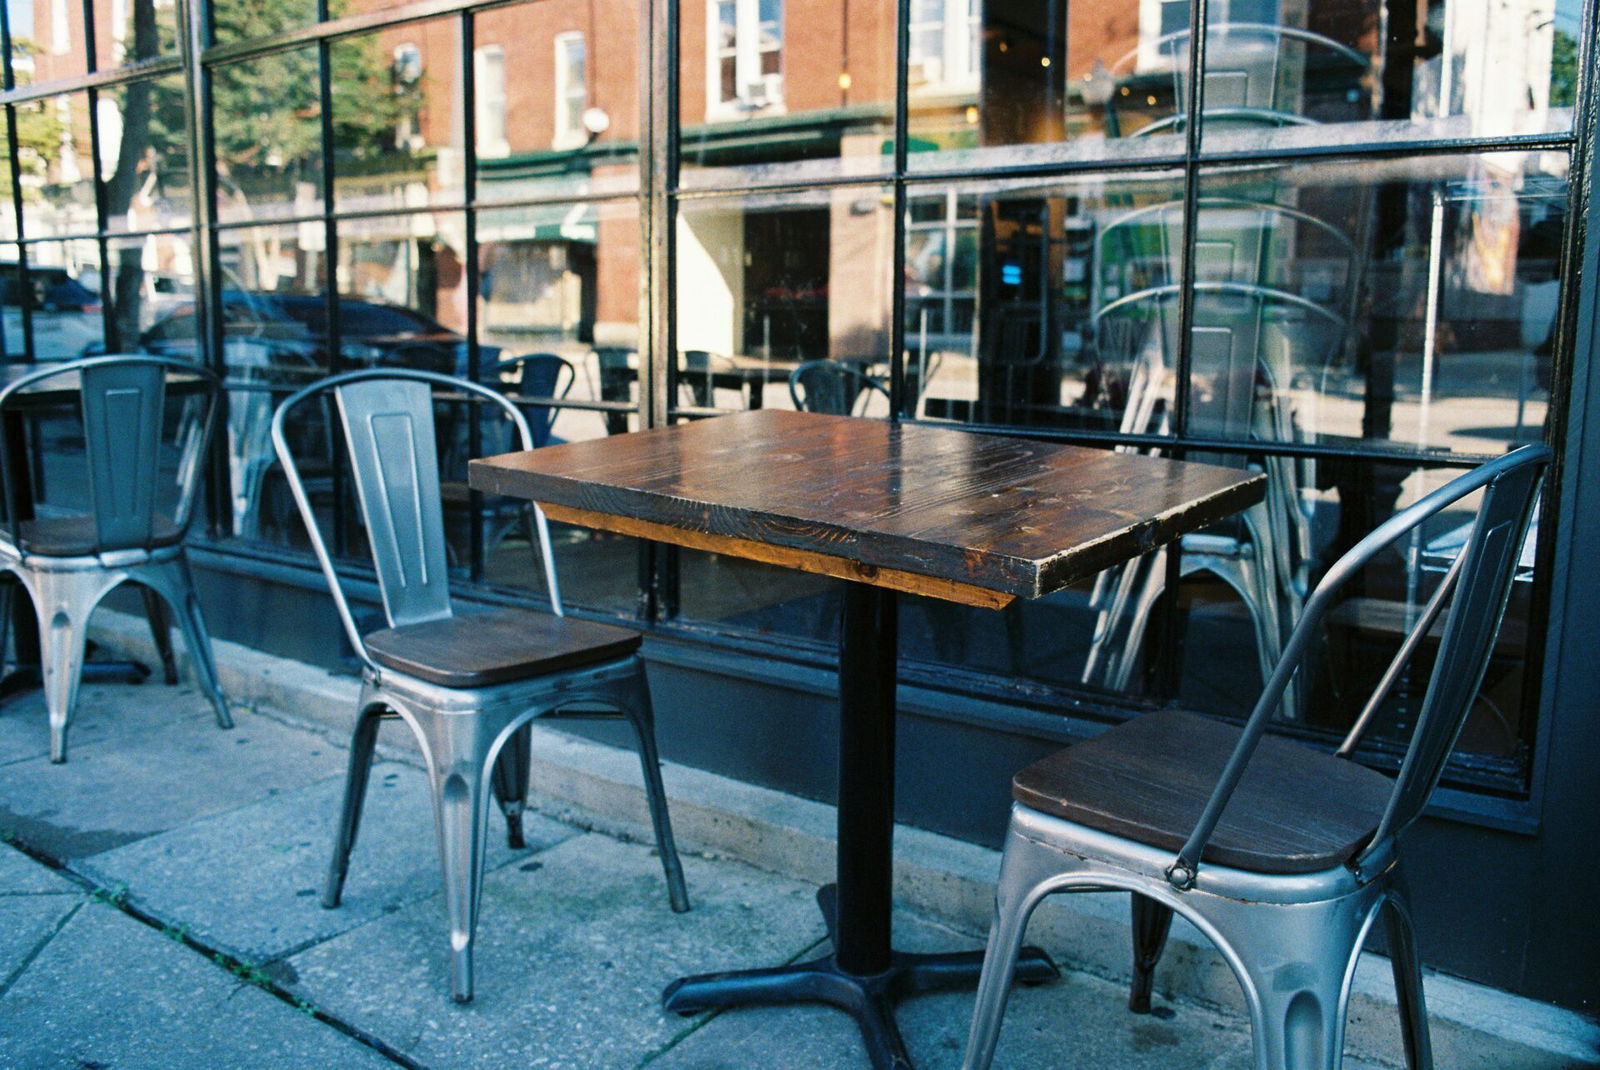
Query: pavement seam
248	973
38	949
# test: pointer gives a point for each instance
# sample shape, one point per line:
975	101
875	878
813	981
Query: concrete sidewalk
159	908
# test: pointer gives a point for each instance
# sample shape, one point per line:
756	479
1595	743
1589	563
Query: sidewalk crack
38	948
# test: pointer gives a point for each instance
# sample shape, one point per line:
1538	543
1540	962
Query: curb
597	786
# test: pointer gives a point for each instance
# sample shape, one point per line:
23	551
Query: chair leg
1151	923
458	807
362	743
8	591
641	714
160	631
63	601
172	580
1025	869
509	781
1407	965
1295	960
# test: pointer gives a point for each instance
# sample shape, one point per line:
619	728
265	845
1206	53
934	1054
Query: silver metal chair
143	469
468	686
1247	344
830	387
1280	854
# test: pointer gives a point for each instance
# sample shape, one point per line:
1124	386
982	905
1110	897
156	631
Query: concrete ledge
599	787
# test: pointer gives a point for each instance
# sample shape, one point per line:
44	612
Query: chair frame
844	376
1269	569
66	589
470	738
1293	940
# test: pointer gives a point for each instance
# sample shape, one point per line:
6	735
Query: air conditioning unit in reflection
763	92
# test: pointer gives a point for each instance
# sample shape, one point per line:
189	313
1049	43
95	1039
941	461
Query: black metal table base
869	999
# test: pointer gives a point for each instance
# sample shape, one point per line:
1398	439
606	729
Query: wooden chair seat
497	647
77	536
1297	810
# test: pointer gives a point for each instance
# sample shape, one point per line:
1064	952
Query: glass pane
780	297
127	31
57	300
1015	295
268	137
1455	69
233	21
771	90
144	155
994	84
558	308
57	165
396	138
768	283
566	108
48	40
148	278
1320	276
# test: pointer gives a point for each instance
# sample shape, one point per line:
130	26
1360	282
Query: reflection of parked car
290	331
65	313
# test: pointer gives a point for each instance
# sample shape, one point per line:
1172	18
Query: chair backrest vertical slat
1469	632
388	424
123	408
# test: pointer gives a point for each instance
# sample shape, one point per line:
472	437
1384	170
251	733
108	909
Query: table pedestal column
863	974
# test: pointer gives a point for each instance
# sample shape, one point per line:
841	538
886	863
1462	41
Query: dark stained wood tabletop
974	518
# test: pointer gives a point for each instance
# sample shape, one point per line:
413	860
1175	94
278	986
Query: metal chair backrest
1256	74
830	387
124	414
387	417
1478	588
1239	334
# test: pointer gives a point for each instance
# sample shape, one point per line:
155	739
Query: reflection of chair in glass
697	376
254	369
143	469
615	365
1282	855
536	375
468	686
1257	243
1256	75
830	387
1246	345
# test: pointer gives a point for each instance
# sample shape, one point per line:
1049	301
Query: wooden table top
973	518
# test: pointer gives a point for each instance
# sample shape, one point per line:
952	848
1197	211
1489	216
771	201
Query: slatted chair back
1477	589
123	405
387	419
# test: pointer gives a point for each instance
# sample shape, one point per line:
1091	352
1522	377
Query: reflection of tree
1563	70
264	114
38	127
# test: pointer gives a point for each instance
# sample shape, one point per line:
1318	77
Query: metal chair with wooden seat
142	464
1282	855
468	686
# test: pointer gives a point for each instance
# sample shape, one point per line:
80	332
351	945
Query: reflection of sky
20	12
1568	14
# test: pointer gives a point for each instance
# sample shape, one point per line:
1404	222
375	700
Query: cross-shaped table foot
870	998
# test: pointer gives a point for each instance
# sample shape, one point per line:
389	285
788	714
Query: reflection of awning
539	222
